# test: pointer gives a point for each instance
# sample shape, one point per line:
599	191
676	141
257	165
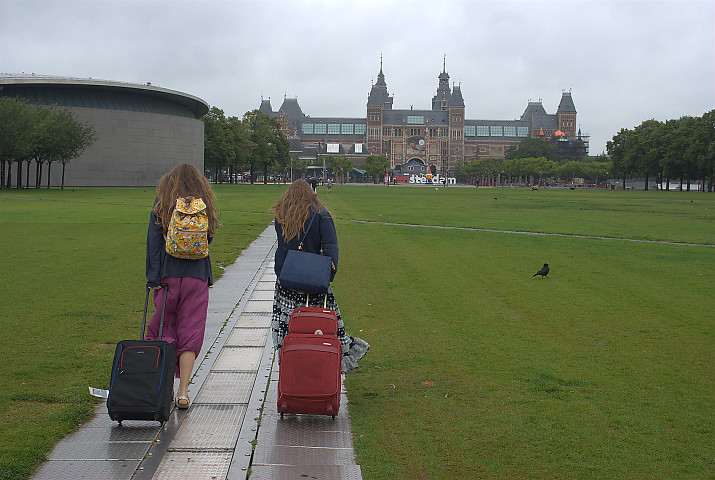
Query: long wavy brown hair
184	181
294	208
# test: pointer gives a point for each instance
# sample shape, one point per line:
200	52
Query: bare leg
186	365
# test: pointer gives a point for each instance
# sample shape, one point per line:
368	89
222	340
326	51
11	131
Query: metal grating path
227	388
207	442
194	465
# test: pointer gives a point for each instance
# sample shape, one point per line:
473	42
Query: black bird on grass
543	272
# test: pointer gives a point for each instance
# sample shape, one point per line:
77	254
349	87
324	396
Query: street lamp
318	155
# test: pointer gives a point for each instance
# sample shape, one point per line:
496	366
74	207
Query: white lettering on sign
435	180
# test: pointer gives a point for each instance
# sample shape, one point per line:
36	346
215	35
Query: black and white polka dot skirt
286	300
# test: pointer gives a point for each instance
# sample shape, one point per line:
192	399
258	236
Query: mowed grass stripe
539	233
664	216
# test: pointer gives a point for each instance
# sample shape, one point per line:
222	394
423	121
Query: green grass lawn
476	369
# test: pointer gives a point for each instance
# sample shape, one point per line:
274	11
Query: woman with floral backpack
181	225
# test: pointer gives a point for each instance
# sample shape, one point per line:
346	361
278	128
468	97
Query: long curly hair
294	208
184	181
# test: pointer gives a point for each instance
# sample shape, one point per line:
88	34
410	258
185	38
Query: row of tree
682	149
254	142
41	134
339	166
530	170
376	166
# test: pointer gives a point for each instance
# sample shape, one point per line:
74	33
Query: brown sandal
182	402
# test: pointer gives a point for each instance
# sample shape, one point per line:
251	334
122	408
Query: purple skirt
185	317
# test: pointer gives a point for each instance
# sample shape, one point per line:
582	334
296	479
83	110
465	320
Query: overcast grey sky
624	61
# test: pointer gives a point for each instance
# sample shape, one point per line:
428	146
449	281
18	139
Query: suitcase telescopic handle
164	287
325	300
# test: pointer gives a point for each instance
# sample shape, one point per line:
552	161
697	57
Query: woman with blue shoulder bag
302	223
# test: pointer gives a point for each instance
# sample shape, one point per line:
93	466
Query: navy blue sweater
322	234
160	264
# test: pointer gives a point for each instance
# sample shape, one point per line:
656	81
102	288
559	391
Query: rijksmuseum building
440	137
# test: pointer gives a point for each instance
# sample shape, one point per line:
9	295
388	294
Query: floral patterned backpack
187	236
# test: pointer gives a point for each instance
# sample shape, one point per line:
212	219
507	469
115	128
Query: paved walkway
234	396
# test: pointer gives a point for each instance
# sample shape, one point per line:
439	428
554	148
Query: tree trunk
646	183
265	174
63	176
9	174
19	174
49	176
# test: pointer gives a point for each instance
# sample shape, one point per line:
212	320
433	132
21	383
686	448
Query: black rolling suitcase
142	378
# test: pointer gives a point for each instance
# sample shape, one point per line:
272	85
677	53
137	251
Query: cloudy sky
624	61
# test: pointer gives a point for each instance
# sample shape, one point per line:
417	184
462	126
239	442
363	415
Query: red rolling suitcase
312	319
309	378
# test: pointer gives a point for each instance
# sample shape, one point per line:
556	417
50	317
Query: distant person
188	280
314	184
330	185
293	212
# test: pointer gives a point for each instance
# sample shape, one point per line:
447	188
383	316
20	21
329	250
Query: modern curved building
142	131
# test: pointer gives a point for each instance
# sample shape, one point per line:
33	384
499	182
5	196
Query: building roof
566	105
358	149
266	108
291	109
73	92
443	92
295	145
378	93
533	108
538	117
456	100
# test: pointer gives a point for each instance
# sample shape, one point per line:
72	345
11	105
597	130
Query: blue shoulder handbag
305	271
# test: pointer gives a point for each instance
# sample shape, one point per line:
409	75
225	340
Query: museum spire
441	100
378	93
